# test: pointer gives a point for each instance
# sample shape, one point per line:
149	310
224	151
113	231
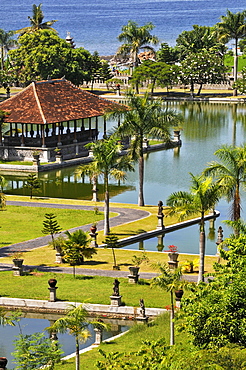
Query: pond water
33	323
207	126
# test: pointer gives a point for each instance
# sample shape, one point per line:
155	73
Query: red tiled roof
54	101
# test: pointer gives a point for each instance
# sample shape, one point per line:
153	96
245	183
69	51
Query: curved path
125	215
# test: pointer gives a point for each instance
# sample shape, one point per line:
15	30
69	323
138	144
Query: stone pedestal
59	158
176	135
93	243
98	337
160	225
52	294
115	300
133	279
18	267
58	258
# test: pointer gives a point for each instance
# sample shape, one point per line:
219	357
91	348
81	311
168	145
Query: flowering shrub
172	248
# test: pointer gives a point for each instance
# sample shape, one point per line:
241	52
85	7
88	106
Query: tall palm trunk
235	66
77	353
171	320
141	179
236	204
201	250
106	206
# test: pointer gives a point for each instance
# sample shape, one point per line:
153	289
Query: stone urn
18	262
179	294
3	362
173	256
52	283
93	229
134	270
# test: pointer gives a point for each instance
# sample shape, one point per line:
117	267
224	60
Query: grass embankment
91	289
131	341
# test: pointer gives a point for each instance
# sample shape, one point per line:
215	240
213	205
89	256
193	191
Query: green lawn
19	223
92	289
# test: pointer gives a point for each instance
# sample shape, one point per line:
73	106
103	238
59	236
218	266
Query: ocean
95	25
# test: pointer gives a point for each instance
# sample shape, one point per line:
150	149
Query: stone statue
160	208
142	307
116	290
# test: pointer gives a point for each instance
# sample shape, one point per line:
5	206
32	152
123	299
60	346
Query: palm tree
6	43
135	38
230	173
108	163
76	323
169	280
36	21
145	118
91	171
232	26
76	248
203	195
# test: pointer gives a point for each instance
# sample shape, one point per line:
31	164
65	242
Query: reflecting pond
207	126
33	323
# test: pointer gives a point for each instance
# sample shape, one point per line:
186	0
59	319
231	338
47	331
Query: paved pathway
125	215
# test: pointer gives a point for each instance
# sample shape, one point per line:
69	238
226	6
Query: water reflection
36	322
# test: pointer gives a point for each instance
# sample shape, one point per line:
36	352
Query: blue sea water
95	25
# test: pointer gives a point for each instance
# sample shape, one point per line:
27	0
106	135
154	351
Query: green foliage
240	84
134	38
167	54
50	225
43	54
2	201
111	241
33	351
32	183
76	248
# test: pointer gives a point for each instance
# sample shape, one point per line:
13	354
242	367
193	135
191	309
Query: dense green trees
43	55
6	43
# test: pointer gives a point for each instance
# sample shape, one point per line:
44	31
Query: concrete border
44	306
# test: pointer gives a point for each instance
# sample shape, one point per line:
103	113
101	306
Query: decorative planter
173	256
18	262
179	294
52	283
93	229
3	362
134	270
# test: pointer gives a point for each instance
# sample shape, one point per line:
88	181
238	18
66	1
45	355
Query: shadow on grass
93	263
84	277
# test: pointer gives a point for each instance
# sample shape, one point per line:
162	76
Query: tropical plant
232	26
36	21
6	43
135	38
92	172
138	260
50	225
230	173
32	183
169	280
76	248
145	118
111	242
203	195
108	163
3	115
33	351
76	323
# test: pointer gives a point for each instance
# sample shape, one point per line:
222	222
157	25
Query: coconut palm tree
76	323
145	118
108	163
203	195
232	26
36	21
6	43
135	38
169	280
230	173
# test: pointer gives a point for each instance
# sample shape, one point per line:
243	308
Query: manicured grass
131	341
91	289
103	260
22	163
24	223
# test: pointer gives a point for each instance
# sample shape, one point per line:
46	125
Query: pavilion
51	114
